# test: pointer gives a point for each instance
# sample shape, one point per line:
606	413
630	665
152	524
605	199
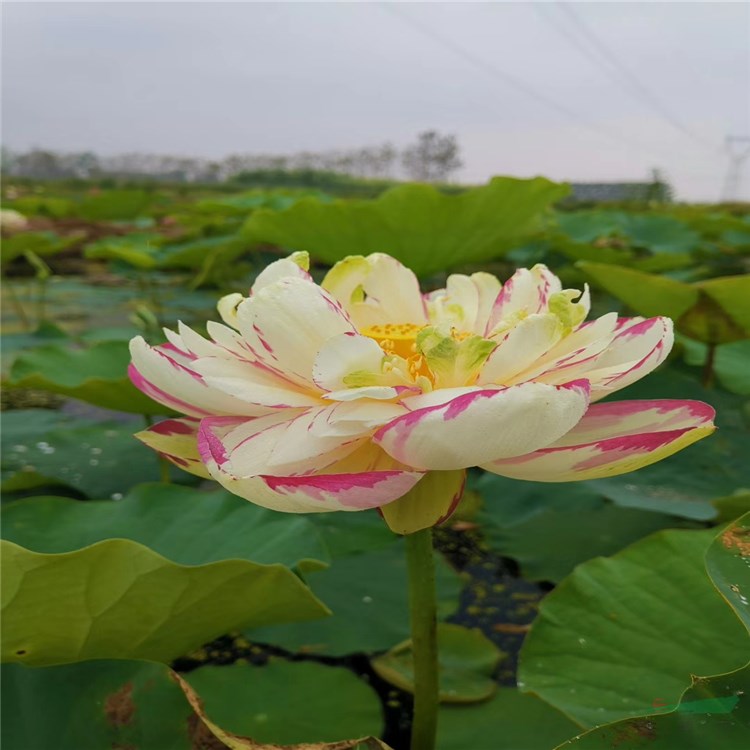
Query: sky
586	92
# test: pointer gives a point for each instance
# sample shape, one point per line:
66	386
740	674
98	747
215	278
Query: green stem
708	366
9	288
422	610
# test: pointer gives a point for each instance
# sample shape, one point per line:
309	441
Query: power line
508	79
618	71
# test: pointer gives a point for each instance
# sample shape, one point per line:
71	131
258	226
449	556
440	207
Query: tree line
432	157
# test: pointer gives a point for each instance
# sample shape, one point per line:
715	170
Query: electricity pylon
738	149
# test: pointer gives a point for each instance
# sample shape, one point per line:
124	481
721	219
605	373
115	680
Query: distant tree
433	158
39	164
386	160
659	190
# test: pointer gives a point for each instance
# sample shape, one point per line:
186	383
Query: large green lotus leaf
97	374
368	596
511	720
41	205
574	525
43	244
119	599
659	234
188	526
288	702
686	483
192	255
136	704
587	226
137	250
732	294
714	713
349	533
95	705
645	293
467	663
12	344
422	227
728	564
99	459
715	311
114	205
622	632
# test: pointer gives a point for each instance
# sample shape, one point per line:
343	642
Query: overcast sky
521	84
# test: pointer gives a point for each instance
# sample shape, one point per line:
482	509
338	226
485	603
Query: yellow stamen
395	338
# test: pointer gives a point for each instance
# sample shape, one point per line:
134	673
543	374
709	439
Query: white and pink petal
177	441
287	322
479	425
366	478
159	373
612	439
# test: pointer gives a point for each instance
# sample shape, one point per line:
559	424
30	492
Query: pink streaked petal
253	383
178	386
527	290
582	345
602	458
521	348
360	491
338	488
616	419
483	423
282	443
177	441
636	351
286	324
160	396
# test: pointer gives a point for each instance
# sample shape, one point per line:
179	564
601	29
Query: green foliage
285	703
100	704
97	374
560	526
92	705
728	565
43	244
713	713
42	448
623	632
715	311
511	720
423	228
114	205
367	594
119	599
467	662
190	527
140	569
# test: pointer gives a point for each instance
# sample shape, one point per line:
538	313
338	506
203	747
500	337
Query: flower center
400	340
395	338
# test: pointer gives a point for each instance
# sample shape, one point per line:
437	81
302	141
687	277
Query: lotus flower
346	395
